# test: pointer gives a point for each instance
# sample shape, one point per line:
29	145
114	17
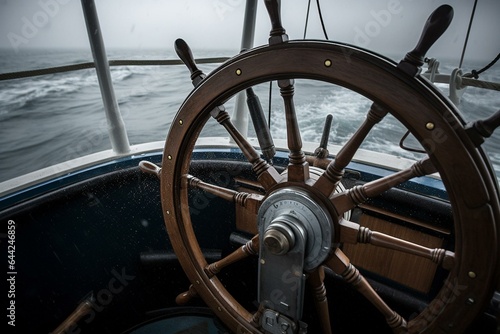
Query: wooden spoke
354	233
331	177
185	297
483	128
315	280
71	322
250	248
266	173
249	201
349	199
318	162
256	317
277	33
150	168
298	168
341	265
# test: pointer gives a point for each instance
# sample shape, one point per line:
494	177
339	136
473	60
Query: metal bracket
281	277
273	322
295	237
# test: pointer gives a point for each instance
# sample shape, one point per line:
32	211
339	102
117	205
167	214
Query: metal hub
289	209
279	237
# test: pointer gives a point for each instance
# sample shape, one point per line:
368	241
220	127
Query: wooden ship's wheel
301	214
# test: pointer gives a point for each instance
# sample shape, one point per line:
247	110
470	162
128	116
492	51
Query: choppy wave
21	93
122	73
49	119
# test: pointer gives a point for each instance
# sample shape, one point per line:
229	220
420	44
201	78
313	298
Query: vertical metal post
249	24
116	126
240	115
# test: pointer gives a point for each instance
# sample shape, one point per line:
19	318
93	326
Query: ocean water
53	118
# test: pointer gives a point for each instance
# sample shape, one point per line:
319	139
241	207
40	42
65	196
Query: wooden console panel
409	270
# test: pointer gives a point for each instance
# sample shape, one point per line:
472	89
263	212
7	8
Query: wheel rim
414	103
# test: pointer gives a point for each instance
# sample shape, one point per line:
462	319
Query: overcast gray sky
386	26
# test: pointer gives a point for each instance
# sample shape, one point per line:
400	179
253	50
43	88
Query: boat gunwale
24	187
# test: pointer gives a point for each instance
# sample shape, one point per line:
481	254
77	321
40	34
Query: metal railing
116	127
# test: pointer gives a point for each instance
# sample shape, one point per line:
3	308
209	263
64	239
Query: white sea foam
39	113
